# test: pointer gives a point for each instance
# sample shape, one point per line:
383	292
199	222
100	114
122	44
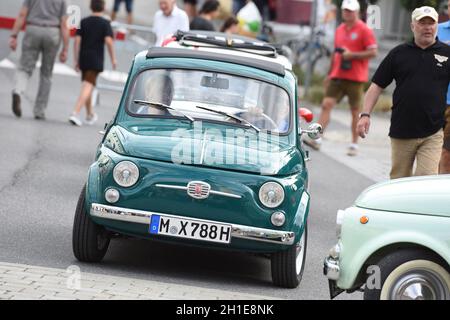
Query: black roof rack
167	52
226	41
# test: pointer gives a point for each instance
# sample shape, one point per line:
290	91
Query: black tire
395	262
89	240
283	265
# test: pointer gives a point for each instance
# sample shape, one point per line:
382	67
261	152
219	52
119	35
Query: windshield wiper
163	106
232	116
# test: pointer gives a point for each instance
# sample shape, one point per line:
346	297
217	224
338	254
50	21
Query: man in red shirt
355	45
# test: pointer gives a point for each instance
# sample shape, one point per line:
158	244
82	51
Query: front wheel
89	240
288	265
410	275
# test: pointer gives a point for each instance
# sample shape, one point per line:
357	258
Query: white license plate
190	229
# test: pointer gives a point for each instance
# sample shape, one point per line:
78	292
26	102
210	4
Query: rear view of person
230	26
46	23
128	7
95	31
208	12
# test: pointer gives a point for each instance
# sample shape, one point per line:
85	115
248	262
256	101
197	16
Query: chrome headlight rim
132	173
278	218
270	186
112	195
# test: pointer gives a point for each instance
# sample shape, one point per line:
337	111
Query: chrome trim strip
237	231
168	186
225	194
218	193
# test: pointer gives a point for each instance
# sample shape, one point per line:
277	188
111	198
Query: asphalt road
43	166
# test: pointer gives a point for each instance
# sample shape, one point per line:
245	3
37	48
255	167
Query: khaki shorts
90	76
447	129
426	152
338	89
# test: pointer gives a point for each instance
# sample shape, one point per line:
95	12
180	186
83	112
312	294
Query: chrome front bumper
332	271
331	268
237	231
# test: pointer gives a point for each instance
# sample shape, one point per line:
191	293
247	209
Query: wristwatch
361	115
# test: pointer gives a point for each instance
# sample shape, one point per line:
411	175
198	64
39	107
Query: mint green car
394	242
204	150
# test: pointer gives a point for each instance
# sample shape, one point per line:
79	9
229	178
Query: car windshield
211	96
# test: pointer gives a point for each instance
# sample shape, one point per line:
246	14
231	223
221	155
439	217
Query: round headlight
278	219
112	195
271	194
126	174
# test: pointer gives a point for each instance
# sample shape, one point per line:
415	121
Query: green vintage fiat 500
204	150
395	242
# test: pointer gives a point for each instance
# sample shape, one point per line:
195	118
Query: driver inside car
158	89
272	112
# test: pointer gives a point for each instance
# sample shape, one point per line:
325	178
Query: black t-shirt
199	23
93	31
422	77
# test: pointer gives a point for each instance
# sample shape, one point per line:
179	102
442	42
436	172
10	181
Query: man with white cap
355	45
421	70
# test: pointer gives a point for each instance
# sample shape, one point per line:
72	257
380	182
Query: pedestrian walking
46	25
128	7
421	70
208	12
94	32
444	167
168	20
355	45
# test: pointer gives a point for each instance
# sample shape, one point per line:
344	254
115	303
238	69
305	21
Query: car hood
204	150
420	195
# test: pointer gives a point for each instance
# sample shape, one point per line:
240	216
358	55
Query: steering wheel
262	117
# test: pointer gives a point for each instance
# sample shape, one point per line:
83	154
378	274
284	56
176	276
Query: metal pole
313	23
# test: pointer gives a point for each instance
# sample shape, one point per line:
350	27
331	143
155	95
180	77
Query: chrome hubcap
420	285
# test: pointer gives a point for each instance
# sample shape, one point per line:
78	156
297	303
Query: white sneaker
73	119
90	120
315	144
353	150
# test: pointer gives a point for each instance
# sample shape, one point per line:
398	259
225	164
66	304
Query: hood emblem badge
198	190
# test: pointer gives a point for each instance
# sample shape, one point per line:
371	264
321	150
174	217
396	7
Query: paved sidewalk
374	158
24	282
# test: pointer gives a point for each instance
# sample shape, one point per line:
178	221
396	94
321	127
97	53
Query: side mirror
306	114
314	131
